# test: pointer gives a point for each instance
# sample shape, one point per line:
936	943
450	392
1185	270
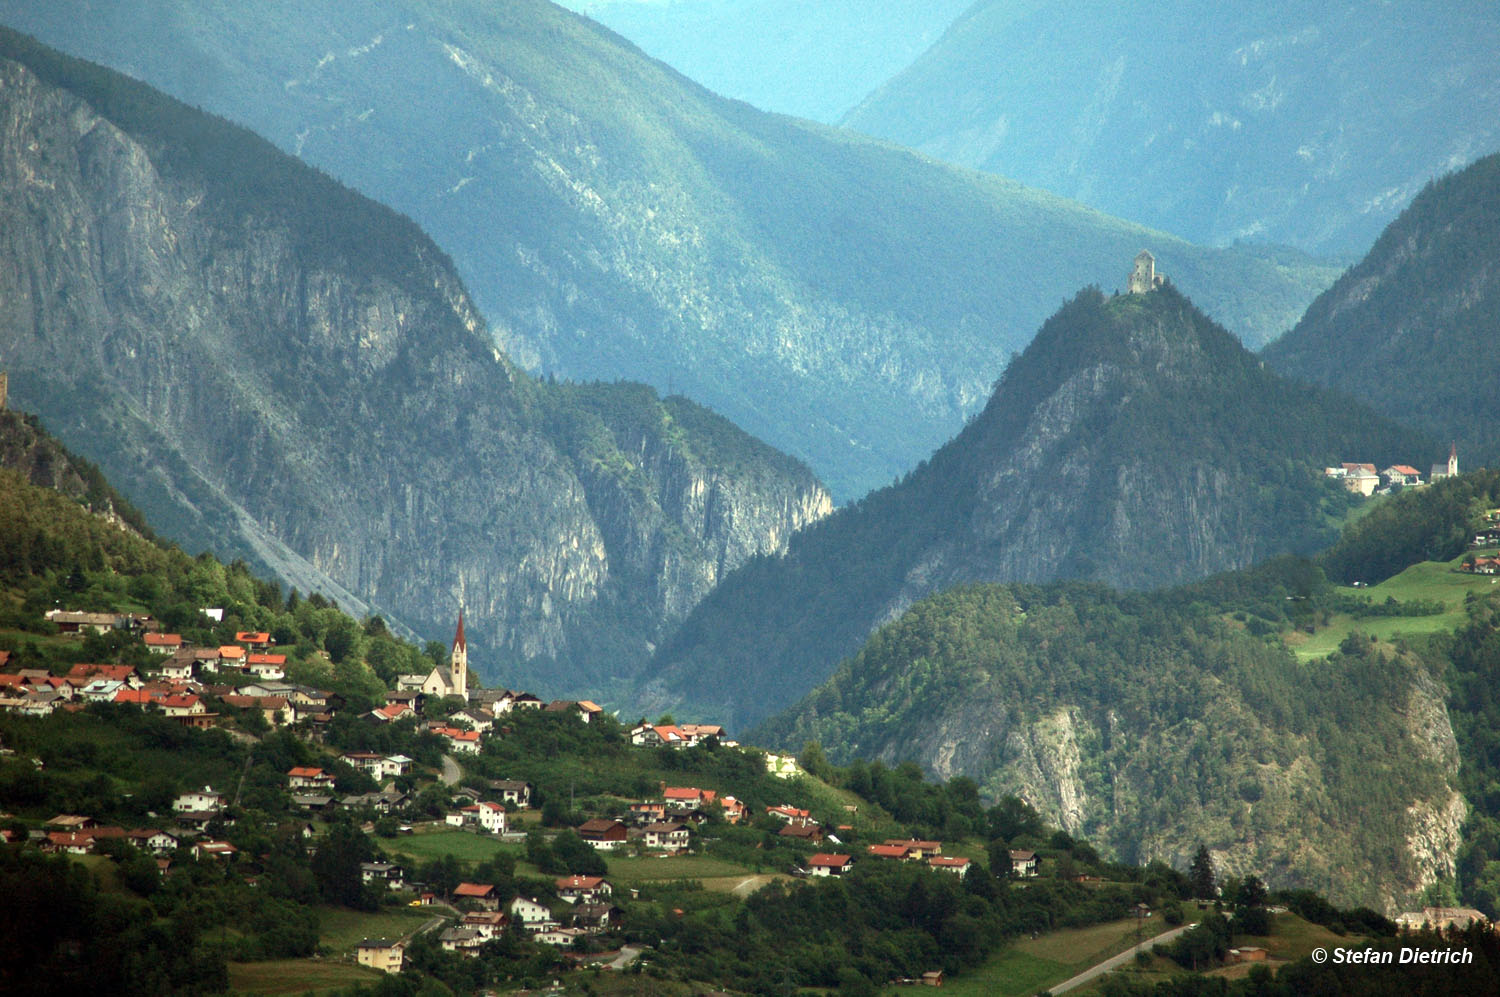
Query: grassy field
296	976
462	845
341	930
629	871
1033	964
1430	581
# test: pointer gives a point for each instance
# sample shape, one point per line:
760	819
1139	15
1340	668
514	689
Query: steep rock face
1134	442
1146	725
284	371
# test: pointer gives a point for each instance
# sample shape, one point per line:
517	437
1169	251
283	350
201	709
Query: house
476	720
69	842
199	800
163	643
734	810
266	666
377	953
100	691
483	895
668	836
695	734
1023	863
603	833
810	833
897	852
827	864
950	863
465	941
552	935
182	706
595	918
214	850
312	802
789	814
180	668
686	797
530	915
72	622
1439	918
648	812
255	640
584	710
461	741
488	923
513	792
231	656
303	777
378	873
585	889
392	712
1401	474
918	849
488	817
394	765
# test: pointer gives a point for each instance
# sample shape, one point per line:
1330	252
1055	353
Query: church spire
458	638
458	663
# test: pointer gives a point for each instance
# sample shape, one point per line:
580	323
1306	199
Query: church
449	680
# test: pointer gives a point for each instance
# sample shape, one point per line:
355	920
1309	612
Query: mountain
278	369
1151	724
1134	442
809	60
846	301
1309	124
1419	317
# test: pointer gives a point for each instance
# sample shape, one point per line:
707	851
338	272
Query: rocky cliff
1149	725
1134	442
277	368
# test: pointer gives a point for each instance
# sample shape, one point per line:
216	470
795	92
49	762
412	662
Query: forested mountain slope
1414	328
1134	442
844	300
276	368
1309	123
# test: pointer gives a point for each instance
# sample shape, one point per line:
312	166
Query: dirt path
1116	961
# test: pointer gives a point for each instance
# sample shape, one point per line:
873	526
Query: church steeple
458	663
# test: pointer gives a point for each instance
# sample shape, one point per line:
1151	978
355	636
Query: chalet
392	712
595	918
1401	474
513	792
530	915
560	937
734	810
482	895
671	837
255	640
790	815
266	666
158	842
69	842
897	852
954	864
476	720
585	889
826	864
72	622
179	668
303	777
489	923
231	656
695	734
72	822
811	832
316	803
382	874
199	800
645	734
525	701
163	643
602	833
918	849
182	706
1023	863
487	817
464	941
377	953
384	801
648	811
687	797
464	742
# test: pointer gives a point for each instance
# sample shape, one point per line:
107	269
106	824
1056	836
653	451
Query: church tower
1453	461
458	664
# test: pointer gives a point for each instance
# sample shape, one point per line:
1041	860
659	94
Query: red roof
474	890
115	673
949	861
163	640
179	702
888	851
266	659
139	696
303	772
829	861
579	882
253	637
231	651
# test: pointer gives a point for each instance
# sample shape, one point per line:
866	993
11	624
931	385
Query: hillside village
1363	479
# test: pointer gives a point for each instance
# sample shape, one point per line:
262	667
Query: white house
199	801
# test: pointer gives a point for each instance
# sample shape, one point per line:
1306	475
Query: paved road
628	954
451	772
1114	962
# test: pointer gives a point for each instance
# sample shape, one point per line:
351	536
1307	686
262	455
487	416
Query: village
242	687
1363	479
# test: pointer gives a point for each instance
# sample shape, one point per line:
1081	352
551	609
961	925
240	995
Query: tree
1201	875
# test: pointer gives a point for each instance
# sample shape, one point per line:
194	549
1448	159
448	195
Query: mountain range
278	369
847	301
1134	442
1309	124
